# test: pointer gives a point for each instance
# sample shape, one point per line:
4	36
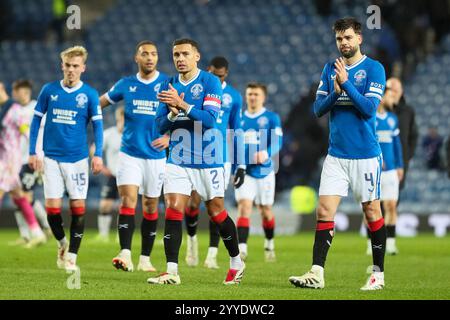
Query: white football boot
313	279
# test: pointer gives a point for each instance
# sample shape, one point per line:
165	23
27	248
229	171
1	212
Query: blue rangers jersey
230	114
141	104
262	132
195	139
389	139
353	113
68	112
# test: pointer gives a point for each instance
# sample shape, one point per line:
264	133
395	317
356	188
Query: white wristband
171	116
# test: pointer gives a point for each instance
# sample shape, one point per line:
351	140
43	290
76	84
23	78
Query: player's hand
35	163
337	87
171	97
96	165
161	143
106	172
239	177
261	157
401	174
341	73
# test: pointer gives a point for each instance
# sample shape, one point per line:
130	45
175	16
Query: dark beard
349	53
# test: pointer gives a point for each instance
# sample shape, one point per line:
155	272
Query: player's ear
360	39
197	56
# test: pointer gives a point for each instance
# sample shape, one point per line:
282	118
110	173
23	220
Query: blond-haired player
70	104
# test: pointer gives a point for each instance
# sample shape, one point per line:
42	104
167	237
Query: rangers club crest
196	90
391	123
227	100
359	76
81	99
262	122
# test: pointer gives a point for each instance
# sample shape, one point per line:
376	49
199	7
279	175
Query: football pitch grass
420	271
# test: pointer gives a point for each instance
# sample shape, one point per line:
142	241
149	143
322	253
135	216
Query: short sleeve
115	94
42	102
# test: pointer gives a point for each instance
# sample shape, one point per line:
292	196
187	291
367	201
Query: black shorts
110	190
28	178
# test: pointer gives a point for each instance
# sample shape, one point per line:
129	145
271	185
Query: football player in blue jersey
190	105
142	158
229	117
263	140
350	89
69	106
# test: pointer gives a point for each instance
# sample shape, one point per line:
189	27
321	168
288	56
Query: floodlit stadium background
283	43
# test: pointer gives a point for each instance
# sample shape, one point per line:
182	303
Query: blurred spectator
432	144
305	143
407	122
59	19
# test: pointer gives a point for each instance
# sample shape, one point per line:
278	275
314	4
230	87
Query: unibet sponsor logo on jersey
344	99
384	136
145	107
64	116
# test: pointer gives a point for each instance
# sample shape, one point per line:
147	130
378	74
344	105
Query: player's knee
193	205
128	201
266	212
175	203
372	213
17	193
214	207
105	207
244	208
150	205
392	206
324	212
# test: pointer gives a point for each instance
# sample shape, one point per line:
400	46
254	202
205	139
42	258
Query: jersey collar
144	81
190	81
383	115
356	63
255	115
72	89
